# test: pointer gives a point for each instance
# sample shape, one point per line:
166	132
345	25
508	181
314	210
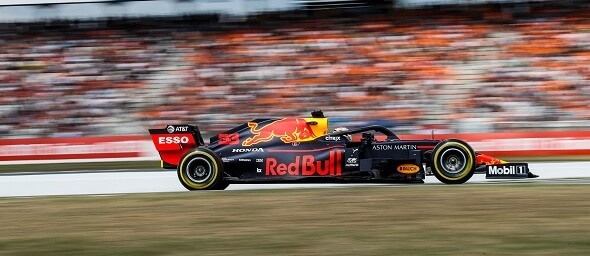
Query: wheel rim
199	170
453	161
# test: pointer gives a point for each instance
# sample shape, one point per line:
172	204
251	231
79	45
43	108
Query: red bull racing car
275	150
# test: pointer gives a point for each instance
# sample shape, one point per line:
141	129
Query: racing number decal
228	138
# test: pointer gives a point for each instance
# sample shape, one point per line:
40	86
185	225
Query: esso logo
173	140
408	168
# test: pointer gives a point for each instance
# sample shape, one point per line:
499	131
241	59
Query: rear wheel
201	169
453	161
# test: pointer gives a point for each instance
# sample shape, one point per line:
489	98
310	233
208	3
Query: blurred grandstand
476	68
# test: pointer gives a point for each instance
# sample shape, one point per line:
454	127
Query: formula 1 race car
275	150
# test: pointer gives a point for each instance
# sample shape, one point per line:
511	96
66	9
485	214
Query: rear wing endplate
174	141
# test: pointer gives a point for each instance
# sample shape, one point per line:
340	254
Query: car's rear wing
174	141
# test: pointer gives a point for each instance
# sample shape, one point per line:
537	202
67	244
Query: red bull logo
306	165
287	129
488	160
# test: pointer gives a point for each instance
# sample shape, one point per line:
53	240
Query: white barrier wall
140	148
84	10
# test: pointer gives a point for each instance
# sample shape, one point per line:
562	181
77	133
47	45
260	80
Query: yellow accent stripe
192	184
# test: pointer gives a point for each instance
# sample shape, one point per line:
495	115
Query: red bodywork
173	146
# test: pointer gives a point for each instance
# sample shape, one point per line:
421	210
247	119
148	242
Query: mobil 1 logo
507	171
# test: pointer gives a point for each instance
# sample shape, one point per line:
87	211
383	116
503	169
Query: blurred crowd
481	69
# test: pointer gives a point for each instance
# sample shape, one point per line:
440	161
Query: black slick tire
201	169
453	161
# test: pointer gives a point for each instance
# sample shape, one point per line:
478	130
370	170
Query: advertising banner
139	148
84	149
519	144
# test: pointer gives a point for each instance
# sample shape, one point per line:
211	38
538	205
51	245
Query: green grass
524	219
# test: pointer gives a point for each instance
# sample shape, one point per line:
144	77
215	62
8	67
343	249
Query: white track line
104	183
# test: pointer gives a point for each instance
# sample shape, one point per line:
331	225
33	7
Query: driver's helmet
343	129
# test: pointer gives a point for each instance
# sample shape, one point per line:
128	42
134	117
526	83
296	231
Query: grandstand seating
481	69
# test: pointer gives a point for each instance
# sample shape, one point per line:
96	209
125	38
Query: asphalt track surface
157	181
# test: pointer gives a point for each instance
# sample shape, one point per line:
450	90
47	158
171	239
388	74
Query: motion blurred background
105	68
81	81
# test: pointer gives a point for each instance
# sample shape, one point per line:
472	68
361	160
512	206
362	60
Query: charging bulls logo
289	130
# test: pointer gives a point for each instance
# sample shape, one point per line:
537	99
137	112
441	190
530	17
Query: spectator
409	72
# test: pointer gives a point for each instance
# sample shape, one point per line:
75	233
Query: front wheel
453	161
201	169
